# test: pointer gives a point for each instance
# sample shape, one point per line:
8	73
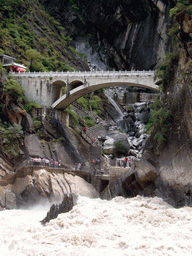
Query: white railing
84	73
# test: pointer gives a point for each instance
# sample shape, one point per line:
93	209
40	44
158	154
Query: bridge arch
56	89
81	90
75	84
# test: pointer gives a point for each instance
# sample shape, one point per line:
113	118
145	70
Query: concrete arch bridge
44	88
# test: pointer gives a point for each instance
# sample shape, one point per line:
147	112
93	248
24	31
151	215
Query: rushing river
94	227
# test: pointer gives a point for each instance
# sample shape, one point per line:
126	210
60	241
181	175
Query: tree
35	58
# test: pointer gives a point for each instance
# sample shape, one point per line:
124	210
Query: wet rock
56	209
137	142
127	124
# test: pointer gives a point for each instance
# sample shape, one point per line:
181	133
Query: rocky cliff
130	33
165	168
25	178
24	182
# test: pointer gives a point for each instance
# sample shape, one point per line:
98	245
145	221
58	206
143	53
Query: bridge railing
85	73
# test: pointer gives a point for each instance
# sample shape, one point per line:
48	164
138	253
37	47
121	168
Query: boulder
137	143
108	146
80	187
56	209
112	137
33	145
27	123
127	124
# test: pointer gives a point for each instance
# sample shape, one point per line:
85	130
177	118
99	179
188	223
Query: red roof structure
10	65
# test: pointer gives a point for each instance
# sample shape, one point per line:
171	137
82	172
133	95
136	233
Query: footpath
96	133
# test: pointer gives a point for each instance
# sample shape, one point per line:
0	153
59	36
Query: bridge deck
84	73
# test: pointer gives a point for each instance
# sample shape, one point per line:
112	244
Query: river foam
127	227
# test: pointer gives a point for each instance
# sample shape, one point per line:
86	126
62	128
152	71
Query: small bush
74	120
10	136
89	121
14	90
37	124
30	105
119	148
83	102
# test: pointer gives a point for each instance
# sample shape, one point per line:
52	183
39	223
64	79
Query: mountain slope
35	38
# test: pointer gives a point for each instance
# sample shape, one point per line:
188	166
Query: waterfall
112	101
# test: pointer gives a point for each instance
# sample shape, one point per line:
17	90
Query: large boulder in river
112	137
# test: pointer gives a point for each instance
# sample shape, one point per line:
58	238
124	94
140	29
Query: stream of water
123	227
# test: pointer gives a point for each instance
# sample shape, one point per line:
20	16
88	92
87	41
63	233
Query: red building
10	65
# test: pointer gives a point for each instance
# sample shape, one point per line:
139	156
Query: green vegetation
14	91
83	102
30	105
89	121
166	71
120	148
161	117
93	102
36	39
10	136
160	120
74	120
96	104
38	127
16	95
182	6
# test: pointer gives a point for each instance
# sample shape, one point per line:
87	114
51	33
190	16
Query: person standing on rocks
125	162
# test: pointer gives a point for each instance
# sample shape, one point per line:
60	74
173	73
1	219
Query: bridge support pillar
67	88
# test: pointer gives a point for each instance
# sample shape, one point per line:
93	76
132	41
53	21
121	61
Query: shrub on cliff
160	121
10	136
73	118
166	71
89	121
14	91
182	6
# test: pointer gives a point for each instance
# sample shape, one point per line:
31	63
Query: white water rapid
94	227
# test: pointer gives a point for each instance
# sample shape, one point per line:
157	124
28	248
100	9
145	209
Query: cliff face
132	33
25	182
174	160
165	169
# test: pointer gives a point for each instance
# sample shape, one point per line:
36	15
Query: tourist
125	162
47	162
84	130
78	166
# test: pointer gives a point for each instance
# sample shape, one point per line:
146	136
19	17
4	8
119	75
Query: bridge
45	88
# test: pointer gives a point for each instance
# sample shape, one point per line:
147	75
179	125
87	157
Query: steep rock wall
165	169
133	33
